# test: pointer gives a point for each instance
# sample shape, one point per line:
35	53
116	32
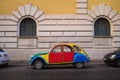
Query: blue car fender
36	57
78	57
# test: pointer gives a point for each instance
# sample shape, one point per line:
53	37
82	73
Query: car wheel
79	65
38	64
118	63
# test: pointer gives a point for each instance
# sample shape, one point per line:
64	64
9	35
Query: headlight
112	57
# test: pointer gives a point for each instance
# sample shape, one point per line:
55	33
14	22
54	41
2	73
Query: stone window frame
110	27
24	31
25	17
107	40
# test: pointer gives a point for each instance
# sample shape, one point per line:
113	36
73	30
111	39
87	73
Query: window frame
59	46
105	36
68	47
19	26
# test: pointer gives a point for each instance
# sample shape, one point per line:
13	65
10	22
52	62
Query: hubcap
79	65
38	65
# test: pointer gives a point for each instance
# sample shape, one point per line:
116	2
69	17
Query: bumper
88	61
110	62
31	62
4	62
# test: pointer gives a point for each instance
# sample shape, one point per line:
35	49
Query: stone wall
62	28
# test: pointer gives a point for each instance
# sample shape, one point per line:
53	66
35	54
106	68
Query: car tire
108	64
118	63
79	65
38	64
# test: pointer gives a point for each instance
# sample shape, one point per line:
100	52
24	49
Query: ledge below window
28	37
102	36
27	42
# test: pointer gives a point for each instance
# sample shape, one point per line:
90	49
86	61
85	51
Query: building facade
29	30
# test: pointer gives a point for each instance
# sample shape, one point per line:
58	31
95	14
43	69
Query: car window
76	48
57	49
1	50
67	49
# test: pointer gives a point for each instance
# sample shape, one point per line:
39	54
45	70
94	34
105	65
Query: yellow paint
48	6
115	4
45	57
54	6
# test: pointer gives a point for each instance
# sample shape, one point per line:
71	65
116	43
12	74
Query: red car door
56	55
68	54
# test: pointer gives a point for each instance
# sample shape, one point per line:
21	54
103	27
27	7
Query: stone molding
104	10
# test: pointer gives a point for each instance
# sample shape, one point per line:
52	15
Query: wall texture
54	6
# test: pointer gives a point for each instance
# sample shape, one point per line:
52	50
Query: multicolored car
61	54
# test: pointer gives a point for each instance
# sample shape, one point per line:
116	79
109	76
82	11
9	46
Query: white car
4	59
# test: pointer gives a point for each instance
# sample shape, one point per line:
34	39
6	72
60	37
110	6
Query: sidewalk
25	63
96	62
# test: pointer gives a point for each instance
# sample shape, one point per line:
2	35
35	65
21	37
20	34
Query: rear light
0	55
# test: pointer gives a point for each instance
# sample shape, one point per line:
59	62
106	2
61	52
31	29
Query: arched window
102	28
28	27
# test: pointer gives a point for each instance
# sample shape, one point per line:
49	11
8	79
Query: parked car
4	59
113	58
61	54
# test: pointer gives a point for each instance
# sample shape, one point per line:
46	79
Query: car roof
70	44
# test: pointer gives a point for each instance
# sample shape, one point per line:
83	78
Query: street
60	72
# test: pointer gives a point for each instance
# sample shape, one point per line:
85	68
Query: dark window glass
27	27
102	27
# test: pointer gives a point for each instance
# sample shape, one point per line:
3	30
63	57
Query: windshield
76	48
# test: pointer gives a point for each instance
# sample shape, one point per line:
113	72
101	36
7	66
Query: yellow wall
53	6
48	6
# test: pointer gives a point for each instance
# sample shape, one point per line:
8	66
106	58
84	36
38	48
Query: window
28	27
102	28
57	49
76	48
67	49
